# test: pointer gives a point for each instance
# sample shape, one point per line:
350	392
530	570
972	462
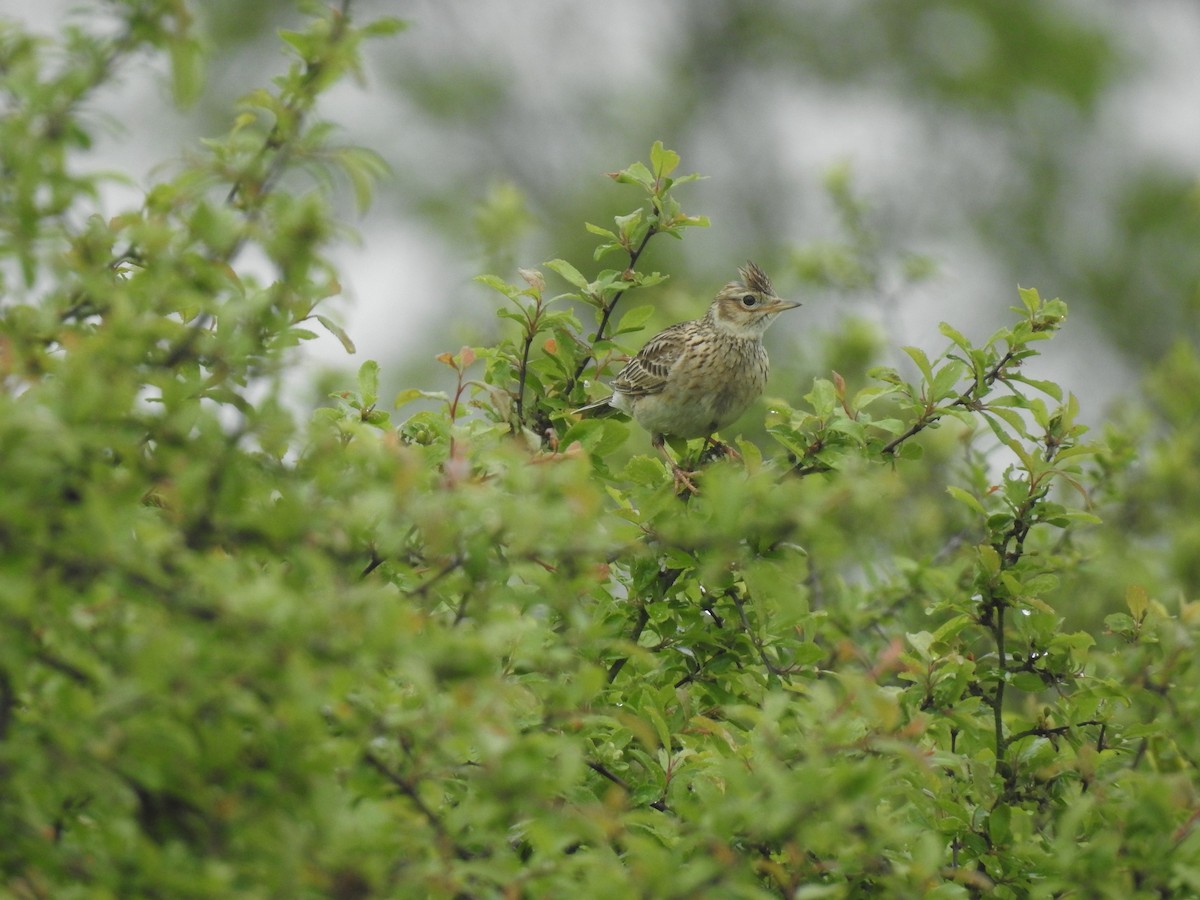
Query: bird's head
746	308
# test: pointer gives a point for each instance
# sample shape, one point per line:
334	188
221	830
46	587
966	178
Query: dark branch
410	791
639	626
603	771
965	400
634	255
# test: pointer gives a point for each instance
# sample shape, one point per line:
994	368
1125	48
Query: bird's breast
745	376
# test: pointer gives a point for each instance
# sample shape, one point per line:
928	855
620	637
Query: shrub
486	650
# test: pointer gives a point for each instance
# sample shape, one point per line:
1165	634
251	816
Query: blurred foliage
927	637
1002	130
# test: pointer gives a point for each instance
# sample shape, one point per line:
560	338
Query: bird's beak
777	305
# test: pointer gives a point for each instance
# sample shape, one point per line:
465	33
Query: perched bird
694	378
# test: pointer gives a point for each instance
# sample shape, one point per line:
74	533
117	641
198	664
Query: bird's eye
749	301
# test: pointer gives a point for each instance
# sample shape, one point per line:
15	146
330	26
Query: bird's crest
756	279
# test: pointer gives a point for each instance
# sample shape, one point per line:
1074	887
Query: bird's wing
647	372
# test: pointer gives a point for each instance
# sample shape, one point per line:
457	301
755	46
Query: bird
694	378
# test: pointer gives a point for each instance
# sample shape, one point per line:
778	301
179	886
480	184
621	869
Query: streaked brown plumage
694	378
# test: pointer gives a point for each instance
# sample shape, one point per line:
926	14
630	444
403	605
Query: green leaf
945	380
363	169
644	470
1119	623
807	653
662	161
598	436
1014	420
890	426
1079	515
187	70
368	382
999	825
955	336
920	641
1012	586
303	43
849	427
636	174
604	249
952	628
410	394
868	395
917	355
964	497
1030	298
568	272
1137	601
661	730
634	319
338	332
386	26
602	232
822	397
1046	387
499	284
1030	682
989	560
628	225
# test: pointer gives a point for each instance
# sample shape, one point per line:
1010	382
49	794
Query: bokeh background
1041	143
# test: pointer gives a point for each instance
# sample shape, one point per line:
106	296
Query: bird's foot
714	449
684	486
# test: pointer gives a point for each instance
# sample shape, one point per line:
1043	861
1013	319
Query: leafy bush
486	650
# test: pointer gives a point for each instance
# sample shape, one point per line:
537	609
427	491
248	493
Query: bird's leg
712	445
683	480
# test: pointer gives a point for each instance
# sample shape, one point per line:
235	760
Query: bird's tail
600	407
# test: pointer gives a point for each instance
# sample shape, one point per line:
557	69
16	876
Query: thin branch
461	612
1056	731
524	368
965	400
604	772
410	791
633	258
424	587
811	469
998	698
1185	829
297	110
700	666
639	626
1140	754
1010	548
634	255
375	562
63	667
754	639
8	702
274	140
